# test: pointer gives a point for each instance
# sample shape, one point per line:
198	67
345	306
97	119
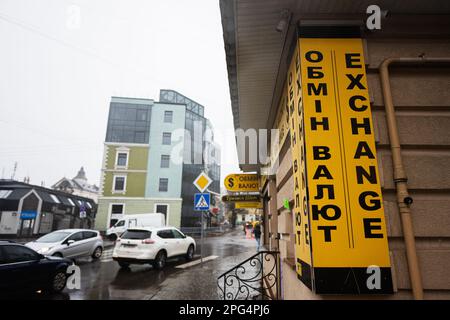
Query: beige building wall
421	96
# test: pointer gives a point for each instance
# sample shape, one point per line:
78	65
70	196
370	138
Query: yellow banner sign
340	230
248	205
242	182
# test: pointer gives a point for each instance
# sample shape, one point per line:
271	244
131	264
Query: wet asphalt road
104	279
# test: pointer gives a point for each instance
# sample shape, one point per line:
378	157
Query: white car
69	243
152	245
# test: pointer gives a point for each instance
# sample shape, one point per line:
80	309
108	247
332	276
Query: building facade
363	148
27	211
78	186
147	159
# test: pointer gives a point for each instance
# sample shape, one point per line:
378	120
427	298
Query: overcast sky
61	61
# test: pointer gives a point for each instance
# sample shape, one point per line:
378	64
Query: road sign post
202	203
202	239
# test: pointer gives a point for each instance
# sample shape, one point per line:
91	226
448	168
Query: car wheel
160	260
124	264
190	253
112	237
58	282
57	254
97	253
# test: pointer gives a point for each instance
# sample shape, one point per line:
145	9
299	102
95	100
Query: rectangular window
167	138
117	209
55	198
141	115
168	116
165	161
163	184
119	183
122	159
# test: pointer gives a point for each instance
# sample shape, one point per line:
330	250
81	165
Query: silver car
69	243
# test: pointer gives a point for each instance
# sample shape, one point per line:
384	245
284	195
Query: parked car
23	269
70	243
135	221
152	245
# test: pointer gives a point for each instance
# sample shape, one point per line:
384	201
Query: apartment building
147	162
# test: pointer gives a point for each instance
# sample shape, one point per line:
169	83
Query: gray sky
61	61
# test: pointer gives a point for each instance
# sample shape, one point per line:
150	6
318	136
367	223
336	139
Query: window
119	183
89	205
139	137
163	184
79	202
71	202
117	209
121	223
55	198
5	193
165	234
165	161
141	115
75	237
167	138
15	253
122	159
89	234
168	116
177	234
136	234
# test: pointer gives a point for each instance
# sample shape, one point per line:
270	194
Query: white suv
152	245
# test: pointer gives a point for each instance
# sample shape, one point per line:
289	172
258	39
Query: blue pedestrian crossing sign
201	201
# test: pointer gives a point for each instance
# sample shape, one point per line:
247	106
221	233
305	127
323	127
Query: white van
135	220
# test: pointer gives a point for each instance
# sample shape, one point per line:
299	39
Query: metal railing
198	230
257	278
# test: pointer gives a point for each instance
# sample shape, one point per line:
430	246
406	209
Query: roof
21	188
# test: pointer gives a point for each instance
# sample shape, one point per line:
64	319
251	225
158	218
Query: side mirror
70	242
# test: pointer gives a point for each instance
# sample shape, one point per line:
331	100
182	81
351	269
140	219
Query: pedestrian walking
257	234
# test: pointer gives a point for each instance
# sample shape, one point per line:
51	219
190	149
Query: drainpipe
403	199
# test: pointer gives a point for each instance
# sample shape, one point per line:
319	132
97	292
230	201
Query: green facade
133	199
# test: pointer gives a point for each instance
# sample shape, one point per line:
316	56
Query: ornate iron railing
257	278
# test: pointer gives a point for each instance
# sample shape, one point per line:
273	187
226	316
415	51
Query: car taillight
148	241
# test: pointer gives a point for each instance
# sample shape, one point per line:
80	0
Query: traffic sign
202	201
202	182
238	198
242	182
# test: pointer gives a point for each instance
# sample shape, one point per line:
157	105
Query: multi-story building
153	152
359	180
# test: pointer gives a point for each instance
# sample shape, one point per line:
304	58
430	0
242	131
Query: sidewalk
200	282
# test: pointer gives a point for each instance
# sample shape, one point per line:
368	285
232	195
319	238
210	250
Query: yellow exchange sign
242	182
339	218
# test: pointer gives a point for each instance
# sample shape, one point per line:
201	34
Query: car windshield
53	237
136	234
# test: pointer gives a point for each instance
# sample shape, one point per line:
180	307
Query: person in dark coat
257	234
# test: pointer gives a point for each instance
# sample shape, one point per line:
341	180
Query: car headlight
44	250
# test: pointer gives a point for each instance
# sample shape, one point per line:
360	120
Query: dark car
24	270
